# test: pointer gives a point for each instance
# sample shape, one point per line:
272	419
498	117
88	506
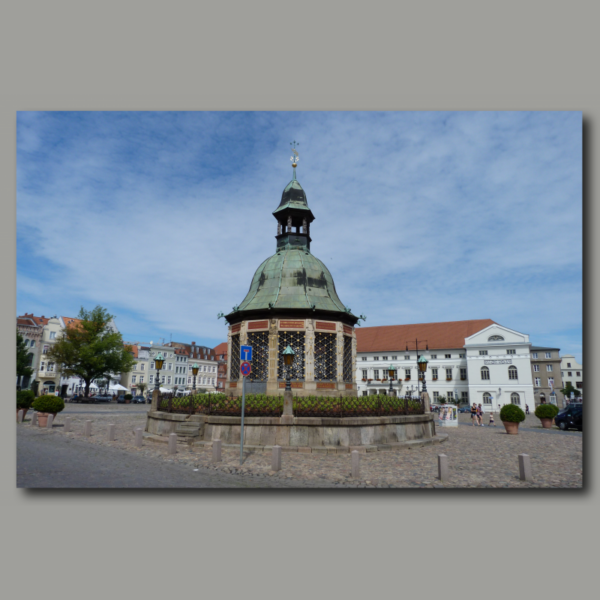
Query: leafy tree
24	368
89	349
567	391
141	388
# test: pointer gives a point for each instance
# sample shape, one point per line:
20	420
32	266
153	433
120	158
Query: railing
259	405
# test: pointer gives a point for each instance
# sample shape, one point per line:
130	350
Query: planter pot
511	428
546	423
42	419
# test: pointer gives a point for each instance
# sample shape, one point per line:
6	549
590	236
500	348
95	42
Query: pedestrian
473	414
492	420
480	415
527	409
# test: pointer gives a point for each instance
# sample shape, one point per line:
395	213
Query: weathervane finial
295	157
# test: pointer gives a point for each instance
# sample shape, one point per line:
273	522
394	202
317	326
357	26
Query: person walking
491	419
473	414
480	415
527	409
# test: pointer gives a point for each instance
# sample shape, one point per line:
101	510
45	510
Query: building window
448	374
141	379
364	358
483	353
487	398
45	349
511	351
570	373
394	358
385	358
579	385
512	372
162	379
461	355
485	373
151	379
33	343
551	382
434	374
495	338
169	379
568	364
135	367
42	365
548	354
448	356
578	373
536	368
407	357
406	374
450	395
170	367
463	374
376	374
515	398
152	367
364	371
464	396
133	379
436	395
433	356
538	382
53	335
189	380
549	368
50	367
376	358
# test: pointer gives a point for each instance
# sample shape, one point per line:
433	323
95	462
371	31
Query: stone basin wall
300	431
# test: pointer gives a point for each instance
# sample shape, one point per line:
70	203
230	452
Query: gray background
308	55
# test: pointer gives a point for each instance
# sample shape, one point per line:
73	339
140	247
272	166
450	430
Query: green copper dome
292	278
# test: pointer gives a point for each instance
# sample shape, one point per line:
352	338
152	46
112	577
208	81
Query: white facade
572	372
457	372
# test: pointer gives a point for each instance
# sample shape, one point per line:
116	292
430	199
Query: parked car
100	398
138	400
570	417
121	399
464	409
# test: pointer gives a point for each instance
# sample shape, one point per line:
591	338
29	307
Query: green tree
89	349
567	391
141	388
24	368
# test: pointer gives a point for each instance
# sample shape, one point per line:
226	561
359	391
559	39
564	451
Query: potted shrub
546	413
511	415
25	399
47	405
128	398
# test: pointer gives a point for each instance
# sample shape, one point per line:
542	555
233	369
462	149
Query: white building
477	361
572	372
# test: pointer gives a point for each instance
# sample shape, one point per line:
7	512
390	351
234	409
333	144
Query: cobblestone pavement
479	457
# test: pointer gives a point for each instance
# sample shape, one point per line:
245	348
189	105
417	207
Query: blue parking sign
246	353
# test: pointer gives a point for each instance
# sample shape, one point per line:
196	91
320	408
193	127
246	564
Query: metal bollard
216	451
111	432
525	467
67	424
50	421
139	437
34	419
442	467
355	463
276	459
87	428
172	443
20	416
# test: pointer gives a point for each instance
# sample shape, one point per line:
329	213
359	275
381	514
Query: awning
165	390
117	386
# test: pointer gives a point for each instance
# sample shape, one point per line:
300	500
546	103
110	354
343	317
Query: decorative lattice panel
235	357
259	340
296	340
325	356
348	359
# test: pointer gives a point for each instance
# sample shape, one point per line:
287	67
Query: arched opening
485	373
512	372
487	398
515	398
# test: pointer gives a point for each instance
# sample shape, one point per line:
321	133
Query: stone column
426	402
155	396
309	346
272	383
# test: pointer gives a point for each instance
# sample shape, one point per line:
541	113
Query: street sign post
246	353
245	370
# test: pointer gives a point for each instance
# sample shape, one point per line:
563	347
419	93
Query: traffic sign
246	353
245	368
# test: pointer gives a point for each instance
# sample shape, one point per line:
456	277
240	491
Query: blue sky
163	217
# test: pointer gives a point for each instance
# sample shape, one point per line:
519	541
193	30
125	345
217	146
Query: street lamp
159	361
422	364
195	372
391	371
288	359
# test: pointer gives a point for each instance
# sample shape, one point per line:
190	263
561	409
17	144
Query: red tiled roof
389	338
221	349
39	320
70	322
134	349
